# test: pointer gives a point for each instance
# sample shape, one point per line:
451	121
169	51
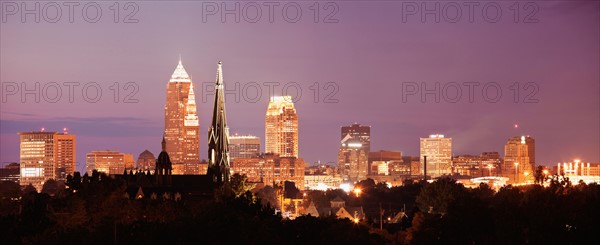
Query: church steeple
164	144
218	135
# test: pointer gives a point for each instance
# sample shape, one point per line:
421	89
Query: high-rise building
146	161
46	155
438	150
218	135
244	146
353	156
181	122
107	161
281	127
519	158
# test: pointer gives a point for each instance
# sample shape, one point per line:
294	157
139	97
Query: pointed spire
164	144
180	75
218	135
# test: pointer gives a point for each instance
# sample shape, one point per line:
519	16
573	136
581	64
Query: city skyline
559	54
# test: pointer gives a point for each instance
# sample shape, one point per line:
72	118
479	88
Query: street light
357	191
526	173
516	171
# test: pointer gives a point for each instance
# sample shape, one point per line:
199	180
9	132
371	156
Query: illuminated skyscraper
438	150
243	146
281	127
106	161
181	122
354	150
46	155
519	158
218	135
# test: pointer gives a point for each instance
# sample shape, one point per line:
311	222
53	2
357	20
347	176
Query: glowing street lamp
526	173
357	191
356	220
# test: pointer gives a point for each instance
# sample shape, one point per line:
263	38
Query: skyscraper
243	146
353	155
519	158
438	150
46	155
181	122
281	127
218	135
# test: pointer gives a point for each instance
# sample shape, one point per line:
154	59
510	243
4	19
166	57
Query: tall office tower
218	135
106	161
181	122
281	127
46	155
146	161
438	150
353	156
519	158
243	146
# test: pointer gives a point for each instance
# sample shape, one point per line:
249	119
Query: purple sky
370	54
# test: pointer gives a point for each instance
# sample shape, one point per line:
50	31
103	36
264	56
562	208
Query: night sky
370	55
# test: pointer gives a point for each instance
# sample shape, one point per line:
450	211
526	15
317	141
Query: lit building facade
107	161
46	155
519	158
244	146
181	122
353	156
382	156
281	127
438	150
468	165
578	171
492	162
270	168
10	172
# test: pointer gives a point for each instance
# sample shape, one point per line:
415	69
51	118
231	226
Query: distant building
468	165
354	151
438	150
270	168
320	169
519	158
46	155
322	182
281	127
146	161
492	162
415	164
182	130
10	172
382	156
243	146
578	171
107	161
